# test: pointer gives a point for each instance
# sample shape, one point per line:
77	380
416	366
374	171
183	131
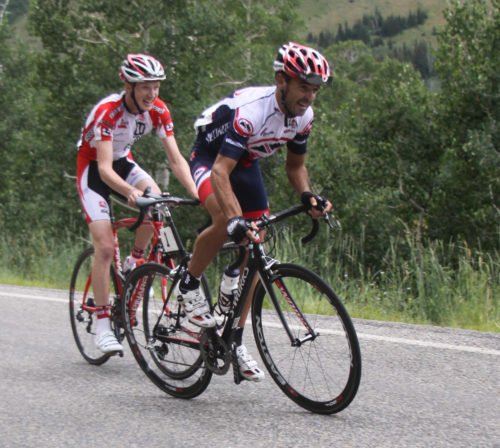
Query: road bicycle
82	307
303	332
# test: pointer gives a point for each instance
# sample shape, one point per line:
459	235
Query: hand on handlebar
242	231
133	194
317	205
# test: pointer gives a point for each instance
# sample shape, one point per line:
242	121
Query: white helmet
141	67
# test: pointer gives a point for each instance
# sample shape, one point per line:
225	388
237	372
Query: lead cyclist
232	135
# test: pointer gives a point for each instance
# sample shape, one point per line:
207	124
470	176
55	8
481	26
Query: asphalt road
421	386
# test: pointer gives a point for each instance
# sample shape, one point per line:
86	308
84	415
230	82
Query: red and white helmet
140	68
299	61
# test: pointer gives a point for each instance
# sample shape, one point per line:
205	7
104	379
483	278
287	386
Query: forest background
405	142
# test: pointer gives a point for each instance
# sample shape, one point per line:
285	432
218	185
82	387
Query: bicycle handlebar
265	221
148	200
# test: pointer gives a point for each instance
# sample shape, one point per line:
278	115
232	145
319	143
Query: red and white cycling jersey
249	124
110	120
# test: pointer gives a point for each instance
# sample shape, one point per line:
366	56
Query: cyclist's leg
248	186
206	246
102	239
94	196
210	241
137	177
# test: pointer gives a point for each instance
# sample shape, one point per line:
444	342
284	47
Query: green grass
447	285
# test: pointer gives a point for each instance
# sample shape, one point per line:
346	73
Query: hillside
322	15
326	15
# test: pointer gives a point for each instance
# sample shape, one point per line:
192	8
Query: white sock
103	325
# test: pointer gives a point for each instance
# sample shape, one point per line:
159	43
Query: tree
468	64
22	184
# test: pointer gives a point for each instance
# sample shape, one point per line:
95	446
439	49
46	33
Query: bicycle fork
310	334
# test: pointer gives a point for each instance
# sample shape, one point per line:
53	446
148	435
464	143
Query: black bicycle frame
258	262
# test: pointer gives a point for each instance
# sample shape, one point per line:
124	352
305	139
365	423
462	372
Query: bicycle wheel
82	307
164	343
306	339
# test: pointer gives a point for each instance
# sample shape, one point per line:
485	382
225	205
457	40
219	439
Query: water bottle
228	285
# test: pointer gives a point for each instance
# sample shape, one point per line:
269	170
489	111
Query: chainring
214	351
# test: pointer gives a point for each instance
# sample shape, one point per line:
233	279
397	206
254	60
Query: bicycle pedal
117	352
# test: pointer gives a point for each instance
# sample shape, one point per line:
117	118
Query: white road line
440	345
374	337
26	296
430	344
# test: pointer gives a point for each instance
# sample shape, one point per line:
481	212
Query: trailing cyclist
105	165
233	135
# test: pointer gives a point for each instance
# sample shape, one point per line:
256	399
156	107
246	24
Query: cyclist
233	135
105	164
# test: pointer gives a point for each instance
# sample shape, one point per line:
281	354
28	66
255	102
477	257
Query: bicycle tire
83	320
322	373
166	348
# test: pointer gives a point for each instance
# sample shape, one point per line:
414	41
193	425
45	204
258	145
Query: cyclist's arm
109	175
179	165
298	177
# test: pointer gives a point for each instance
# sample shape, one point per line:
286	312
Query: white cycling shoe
107	342
248	366
195	306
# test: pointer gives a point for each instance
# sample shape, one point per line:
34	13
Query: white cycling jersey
110	120
250	124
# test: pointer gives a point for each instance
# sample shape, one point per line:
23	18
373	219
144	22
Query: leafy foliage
468	62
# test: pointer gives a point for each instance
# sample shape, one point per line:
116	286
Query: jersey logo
244	127
266	133
140	129
199	172
158	109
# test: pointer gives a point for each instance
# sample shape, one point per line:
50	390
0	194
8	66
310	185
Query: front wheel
164	343
306	339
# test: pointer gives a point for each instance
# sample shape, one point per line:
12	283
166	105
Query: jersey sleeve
234	144
162	120
104	124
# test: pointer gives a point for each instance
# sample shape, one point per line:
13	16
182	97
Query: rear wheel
82	308
165	344
306	339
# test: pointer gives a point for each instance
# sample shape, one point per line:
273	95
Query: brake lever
326	218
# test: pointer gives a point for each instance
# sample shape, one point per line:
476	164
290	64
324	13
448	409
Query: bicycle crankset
214	352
